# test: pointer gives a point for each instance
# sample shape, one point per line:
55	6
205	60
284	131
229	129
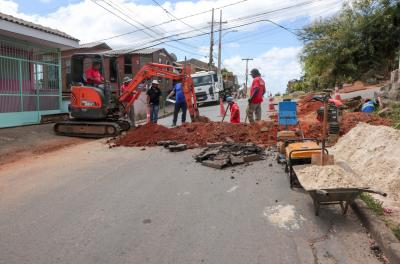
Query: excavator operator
93	75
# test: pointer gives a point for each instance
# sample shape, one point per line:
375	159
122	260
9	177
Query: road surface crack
313	241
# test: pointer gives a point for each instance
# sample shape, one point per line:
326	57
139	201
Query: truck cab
208	86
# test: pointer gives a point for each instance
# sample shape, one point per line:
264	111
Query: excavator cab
91	101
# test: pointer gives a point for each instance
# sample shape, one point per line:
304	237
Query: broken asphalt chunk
166	143
176	148
216	164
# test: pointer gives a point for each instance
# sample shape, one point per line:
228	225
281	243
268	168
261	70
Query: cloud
8	7
233	45
45	1
89	22
277	66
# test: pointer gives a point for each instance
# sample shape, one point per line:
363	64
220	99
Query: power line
247	17
135	26
173	16
170	21
152	30
162	40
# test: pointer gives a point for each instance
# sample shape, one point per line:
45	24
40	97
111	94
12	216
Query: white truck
208	86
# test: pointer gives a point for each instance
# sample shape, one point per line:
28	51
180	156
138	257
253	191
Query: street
91	204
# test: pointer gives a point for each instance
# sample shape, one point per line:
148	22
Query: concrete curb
389	244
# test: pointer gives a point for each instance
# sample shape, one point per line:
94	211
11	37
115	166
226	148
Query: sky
249	31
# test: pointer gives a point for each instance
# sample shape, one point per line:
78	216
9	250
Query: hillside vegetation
361	42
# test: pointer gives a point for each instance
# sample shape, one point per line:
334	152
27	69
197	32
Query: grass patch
394	114
377	208
372	203
396	231
394	227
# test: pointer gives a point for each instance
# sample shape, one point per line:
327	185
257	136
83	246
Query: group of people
257	92
253	111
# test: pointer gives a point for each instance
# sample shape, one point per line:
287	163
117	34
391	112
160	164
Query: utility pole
210	63
220	41
247	70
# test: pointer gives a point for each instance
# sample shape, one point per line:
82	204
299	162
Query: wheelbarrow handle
323	192
373	191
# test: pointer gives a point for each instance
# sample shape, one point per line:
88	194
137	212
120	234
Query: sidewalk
20	142
25	141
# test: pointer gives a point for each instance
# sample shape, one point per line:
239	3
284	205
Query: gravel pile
373	152
327	177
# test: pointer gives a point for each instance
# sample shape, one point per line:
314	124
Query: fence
30	84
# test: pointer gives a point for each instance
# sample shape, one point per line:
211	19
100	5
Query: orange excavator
96	112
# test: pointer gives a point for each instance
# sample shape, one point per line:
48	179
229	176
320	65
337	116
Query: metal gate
30	82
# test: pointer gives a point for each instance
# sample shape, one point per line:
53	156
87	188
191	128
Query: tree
360	42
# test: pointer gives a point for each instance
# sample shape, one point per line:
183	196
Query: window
128	64
113	70
38	76
215	77
202	80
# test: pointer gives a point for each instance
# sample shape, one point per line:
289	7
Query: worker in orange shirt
124	89
234	108
336	94
93	75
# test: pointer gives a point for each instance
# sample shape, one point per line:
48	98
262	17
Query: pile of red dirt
351	119
312	128
306	106
199	134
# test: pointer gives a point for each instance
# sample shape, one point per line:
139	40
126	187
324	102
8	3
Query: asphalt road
91	204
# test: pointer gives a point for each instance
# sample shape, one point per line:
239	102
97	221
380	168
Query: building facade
30	71
197	65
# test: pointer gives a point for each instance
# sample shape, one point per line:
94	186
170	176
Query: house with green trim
30	71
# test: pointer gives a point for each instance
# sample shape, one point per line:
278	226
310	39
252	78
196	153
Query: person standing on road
124	89
180	103
234	108
256	96
153	101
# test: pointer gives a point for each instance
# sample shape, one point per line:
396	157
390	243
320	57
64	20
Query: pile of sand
373	152
327	177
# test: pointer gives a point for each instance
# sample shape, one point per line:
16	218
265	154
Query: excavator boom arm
151	70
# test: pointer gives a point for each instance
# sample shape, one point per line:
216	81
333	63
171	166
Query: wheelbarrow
342	196
327	196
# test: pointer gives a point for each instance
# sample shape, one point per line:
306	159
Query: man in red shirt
234	108
93	75
256	96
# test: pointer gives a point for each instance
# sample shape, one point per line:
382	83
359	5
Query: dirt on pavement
18	143
199	134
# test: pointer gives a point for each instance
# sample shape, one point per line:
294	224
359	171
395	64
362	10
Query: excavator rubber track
88	129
